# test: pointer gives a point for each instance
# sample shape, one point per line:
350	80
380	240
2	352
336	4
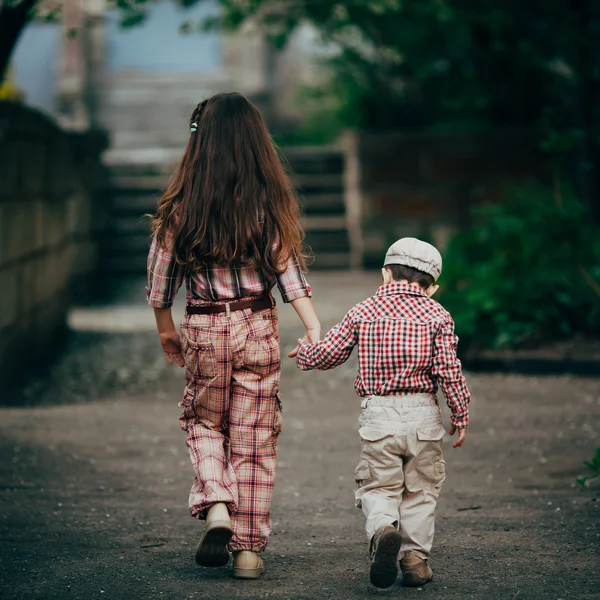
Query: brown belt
256	304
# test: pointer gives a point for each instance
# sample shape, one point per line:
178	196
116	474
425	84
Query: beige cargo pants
401	468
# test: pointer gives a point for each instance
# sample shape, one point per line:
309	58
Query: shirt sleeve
165	276
331	352
447	370
291	283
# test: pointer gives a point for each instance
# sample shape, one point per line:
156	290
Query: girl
228	227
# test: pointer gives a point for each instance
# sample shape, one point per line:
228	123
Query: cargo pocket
362	473
278	418
200	359
261	353
430	434
427	470
188	404
201	368
368	433
373	439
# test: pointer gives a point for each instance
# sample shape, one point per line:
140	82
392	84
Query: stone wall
50	215
423	184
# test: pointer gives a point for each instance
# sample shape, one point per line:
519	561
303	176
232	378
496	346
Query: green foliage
525	272
408	62
594	465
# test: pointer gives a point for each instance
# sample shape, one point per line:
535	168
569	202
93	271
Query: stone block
38	223
59	172
32	167
84	260
78	211
57	270
9	296
17	231
9	171
29	283
54	222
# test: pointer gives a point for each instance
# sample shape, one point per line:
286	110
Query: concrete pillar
72	113
353	196
81	65
95	57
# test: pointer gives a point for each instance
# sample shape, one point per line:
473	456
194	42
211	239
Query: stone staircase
138	180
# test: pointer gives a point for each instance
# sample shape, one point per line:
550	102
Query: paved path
94	479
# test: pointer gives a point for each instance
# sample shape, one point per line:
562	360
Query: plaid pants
232	415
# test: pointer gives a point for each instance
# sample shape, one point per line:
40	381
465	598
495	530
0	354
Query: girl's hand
313	335
171	344
462	434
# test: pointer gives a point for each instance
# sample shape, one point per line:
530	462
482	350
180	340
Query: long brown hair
230	201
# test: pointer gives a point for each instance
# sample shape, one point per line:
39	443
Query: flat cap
414	253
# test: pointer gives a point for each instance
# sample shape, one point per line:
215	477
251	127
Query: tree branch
13	18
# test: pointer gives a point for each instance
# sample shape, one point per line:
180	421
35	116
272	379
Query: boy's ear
432	289
386	275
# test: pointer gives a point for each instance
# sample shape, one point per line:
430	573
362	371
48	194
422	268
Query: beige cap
414	253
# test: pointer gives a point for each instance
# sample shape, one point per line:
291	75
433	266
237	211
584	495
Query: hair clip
193	127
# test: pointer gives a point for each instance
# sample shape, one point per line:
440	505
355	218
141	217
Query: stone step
158	182
324	223
138	179
125	203
134	236
135	262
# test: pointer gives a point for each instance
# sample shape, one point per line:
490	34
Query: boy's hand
312	336
462	434
171	344
295	351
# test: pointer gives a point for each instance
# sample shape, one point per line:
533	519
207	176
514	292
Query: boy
406	349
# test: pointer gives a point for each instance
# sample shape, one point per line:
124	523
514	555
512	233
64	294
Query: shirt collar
396	289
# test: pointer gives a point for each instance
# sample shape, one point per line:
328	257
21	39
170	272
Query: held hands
312	336
171	344
462	434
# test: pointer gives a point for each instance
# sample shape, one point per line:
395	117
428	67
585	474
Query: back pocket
261	353
200	360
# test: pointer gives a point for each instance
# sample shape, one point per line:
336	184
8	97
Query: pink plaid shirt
216	284
406	344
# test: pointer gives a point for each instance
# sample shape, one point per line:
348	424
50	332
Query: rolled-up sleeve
447	370
165	276
292	283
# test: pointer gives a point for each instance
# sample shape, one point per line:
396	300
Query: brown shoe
212	548
247	565
385	546
415	571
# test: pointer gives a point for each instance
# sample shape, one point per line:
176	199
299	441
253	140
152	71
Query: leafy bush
594	466
526	272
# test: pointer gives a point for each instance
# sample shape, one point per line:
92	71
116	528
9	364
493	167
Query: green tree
460	64
436	64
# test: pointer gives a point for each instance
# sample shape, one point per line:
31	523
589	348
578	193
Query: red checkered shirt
214	284
406	344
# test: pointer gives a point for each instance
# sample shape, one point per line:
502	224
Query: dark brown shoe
385	546
415	571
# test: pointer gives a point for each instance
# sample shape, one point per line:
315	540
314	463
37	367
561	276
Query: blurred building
141	83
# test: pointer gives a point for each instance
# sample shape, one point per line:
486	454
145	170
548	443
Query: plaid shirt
406	344
216	284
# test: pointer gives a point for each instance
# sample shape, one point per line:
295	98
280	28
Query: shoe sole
384	568
212	548
247	573
415	581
